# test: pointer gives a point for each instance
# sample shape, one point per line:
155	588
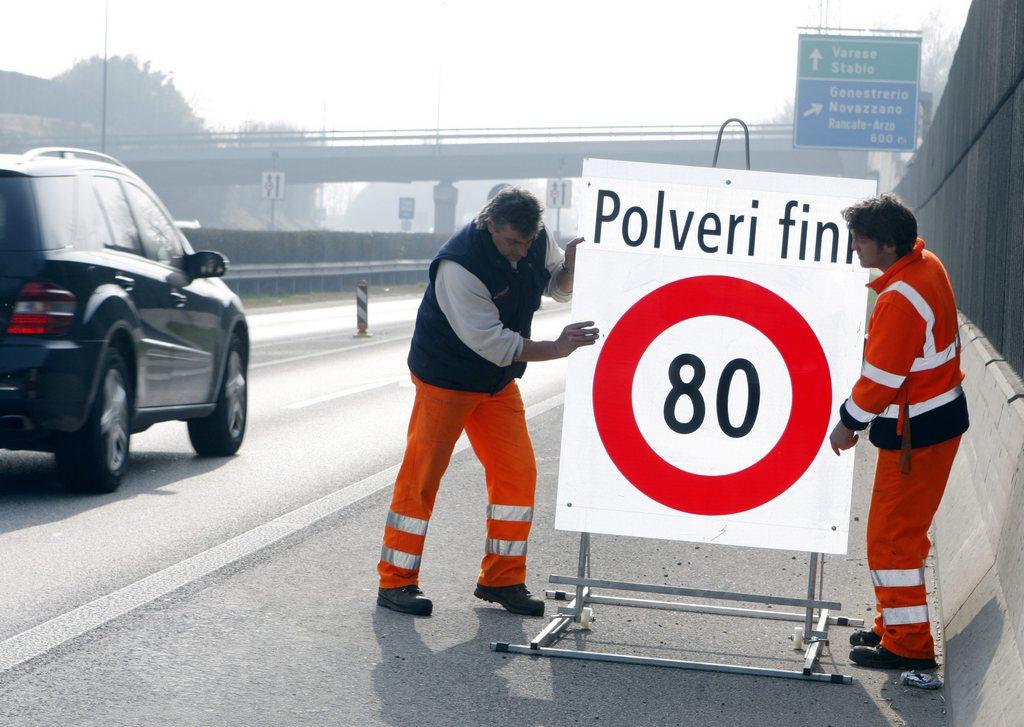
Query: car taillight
42	309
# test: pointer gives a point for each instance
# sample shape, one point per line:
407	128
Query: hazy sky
380	64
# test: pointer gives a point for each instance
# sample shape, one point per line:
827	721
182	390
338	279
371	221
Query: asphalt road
289	634
325	410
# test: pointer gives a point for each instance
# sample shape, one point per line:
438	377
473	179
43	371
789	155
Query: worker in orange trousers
470	344
910	394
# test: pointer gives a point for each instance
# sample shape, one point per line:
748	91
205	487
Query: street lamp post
103	102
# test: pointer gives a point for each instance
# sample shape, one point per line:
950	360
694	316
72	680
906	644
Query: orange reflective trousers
902	508
496	427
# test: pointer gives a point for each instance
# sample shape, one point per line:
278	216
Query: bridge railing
396	137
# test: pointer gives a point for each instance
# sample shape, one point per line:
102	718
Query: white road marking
356	389
50	634
330	352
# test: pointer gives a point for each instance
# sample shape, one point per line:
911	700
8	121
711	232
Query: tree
139	99
940	38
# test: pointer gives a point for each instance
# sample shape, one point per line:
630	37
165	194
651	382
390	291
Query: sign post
734	315
857	92
558	196
406	212
272	188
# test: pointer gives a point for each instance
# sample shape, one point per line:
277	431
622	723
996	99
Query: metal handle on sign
746	139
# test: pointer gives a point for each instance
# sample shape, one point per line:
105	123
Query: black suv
109	322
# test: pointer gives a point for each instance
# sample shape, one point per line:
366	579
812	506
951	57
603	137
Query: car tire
220	434
93	459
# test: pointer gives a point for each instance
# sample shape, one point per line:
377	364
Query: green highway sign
841	57
857	92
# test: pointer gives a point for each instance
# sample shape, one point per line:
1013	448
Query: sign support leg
816	617
812	578
582	566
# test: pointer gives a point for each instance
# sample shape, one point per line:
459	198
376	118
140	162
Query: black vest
437	356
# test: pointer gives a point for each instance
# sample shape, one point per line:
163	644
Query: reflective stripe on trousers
407	524
905	615
405	561
515	513
898	578
505	547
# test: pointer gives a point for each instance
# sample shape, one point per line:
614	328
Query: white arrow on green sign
861	58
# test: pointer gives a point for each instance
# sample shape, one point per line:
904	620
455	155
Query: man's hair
884	219
513	206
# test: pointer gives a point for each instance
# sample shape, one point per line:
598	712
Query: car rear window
17	215
55	202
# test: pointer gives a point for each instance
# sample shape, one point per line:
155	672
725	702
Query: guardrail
278	278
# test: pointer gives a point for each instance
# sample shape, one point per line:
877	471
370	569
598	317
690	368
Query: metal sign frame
817	617
817	614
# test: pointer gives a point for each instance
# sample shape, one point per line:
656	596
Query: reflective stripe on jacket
911	358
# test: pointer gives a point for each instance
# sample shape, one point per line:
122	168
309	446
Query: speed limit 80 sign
732	318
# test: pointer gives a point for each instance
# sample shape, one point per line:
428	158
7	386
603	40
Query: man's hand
842	437
567	274
570	254
573	336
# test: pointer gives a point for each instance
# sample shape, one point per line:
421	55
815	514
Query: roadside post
734	314
406	212
362	319
557	197
272	188
857	91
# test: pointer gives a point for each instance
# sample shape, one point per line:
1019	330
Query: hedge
313	246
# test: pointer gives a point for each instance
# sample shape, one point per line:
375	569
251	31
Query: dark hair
884	219
513	206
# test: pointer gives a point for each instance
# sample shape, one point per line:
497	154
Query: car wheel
94	458
220	434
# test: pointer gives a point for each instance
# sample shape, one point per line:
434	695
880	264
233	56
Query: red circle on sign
758	307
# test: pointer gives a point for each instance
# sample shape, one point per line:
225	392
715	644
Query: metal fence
284	278
966	183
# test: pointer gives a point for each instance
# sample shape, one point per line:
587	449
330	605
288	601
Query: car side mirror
205	264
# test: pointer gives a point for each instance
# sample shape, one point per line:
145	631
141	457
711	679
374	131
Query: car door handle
124	281
179	299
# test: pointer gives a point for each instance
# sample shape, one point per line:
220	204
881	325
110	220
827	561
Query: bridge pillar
445	198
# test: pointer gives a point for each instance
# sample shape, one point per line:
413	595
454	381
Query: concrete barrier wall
979	544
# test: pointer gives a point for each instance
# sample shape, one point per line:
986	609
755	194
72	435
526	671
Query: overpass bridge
447	155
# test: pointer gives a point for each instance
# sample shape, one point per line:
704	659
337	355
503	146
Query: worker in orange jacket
909	393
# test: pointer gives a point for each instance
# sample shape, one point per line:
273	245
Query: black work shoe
407	599
865	638
879	657
515	599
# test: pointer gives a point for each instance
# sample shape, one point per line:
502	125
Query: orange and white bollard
362	318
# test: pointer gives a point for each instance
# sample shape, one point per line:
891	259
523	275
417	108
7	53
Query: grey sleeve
466	303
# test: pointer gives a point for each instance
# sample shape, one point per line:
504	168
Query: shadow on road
31	493
418	685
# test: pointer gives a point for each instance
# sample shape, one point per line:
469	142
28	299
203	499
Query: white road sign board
559	194
732	317
272	185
